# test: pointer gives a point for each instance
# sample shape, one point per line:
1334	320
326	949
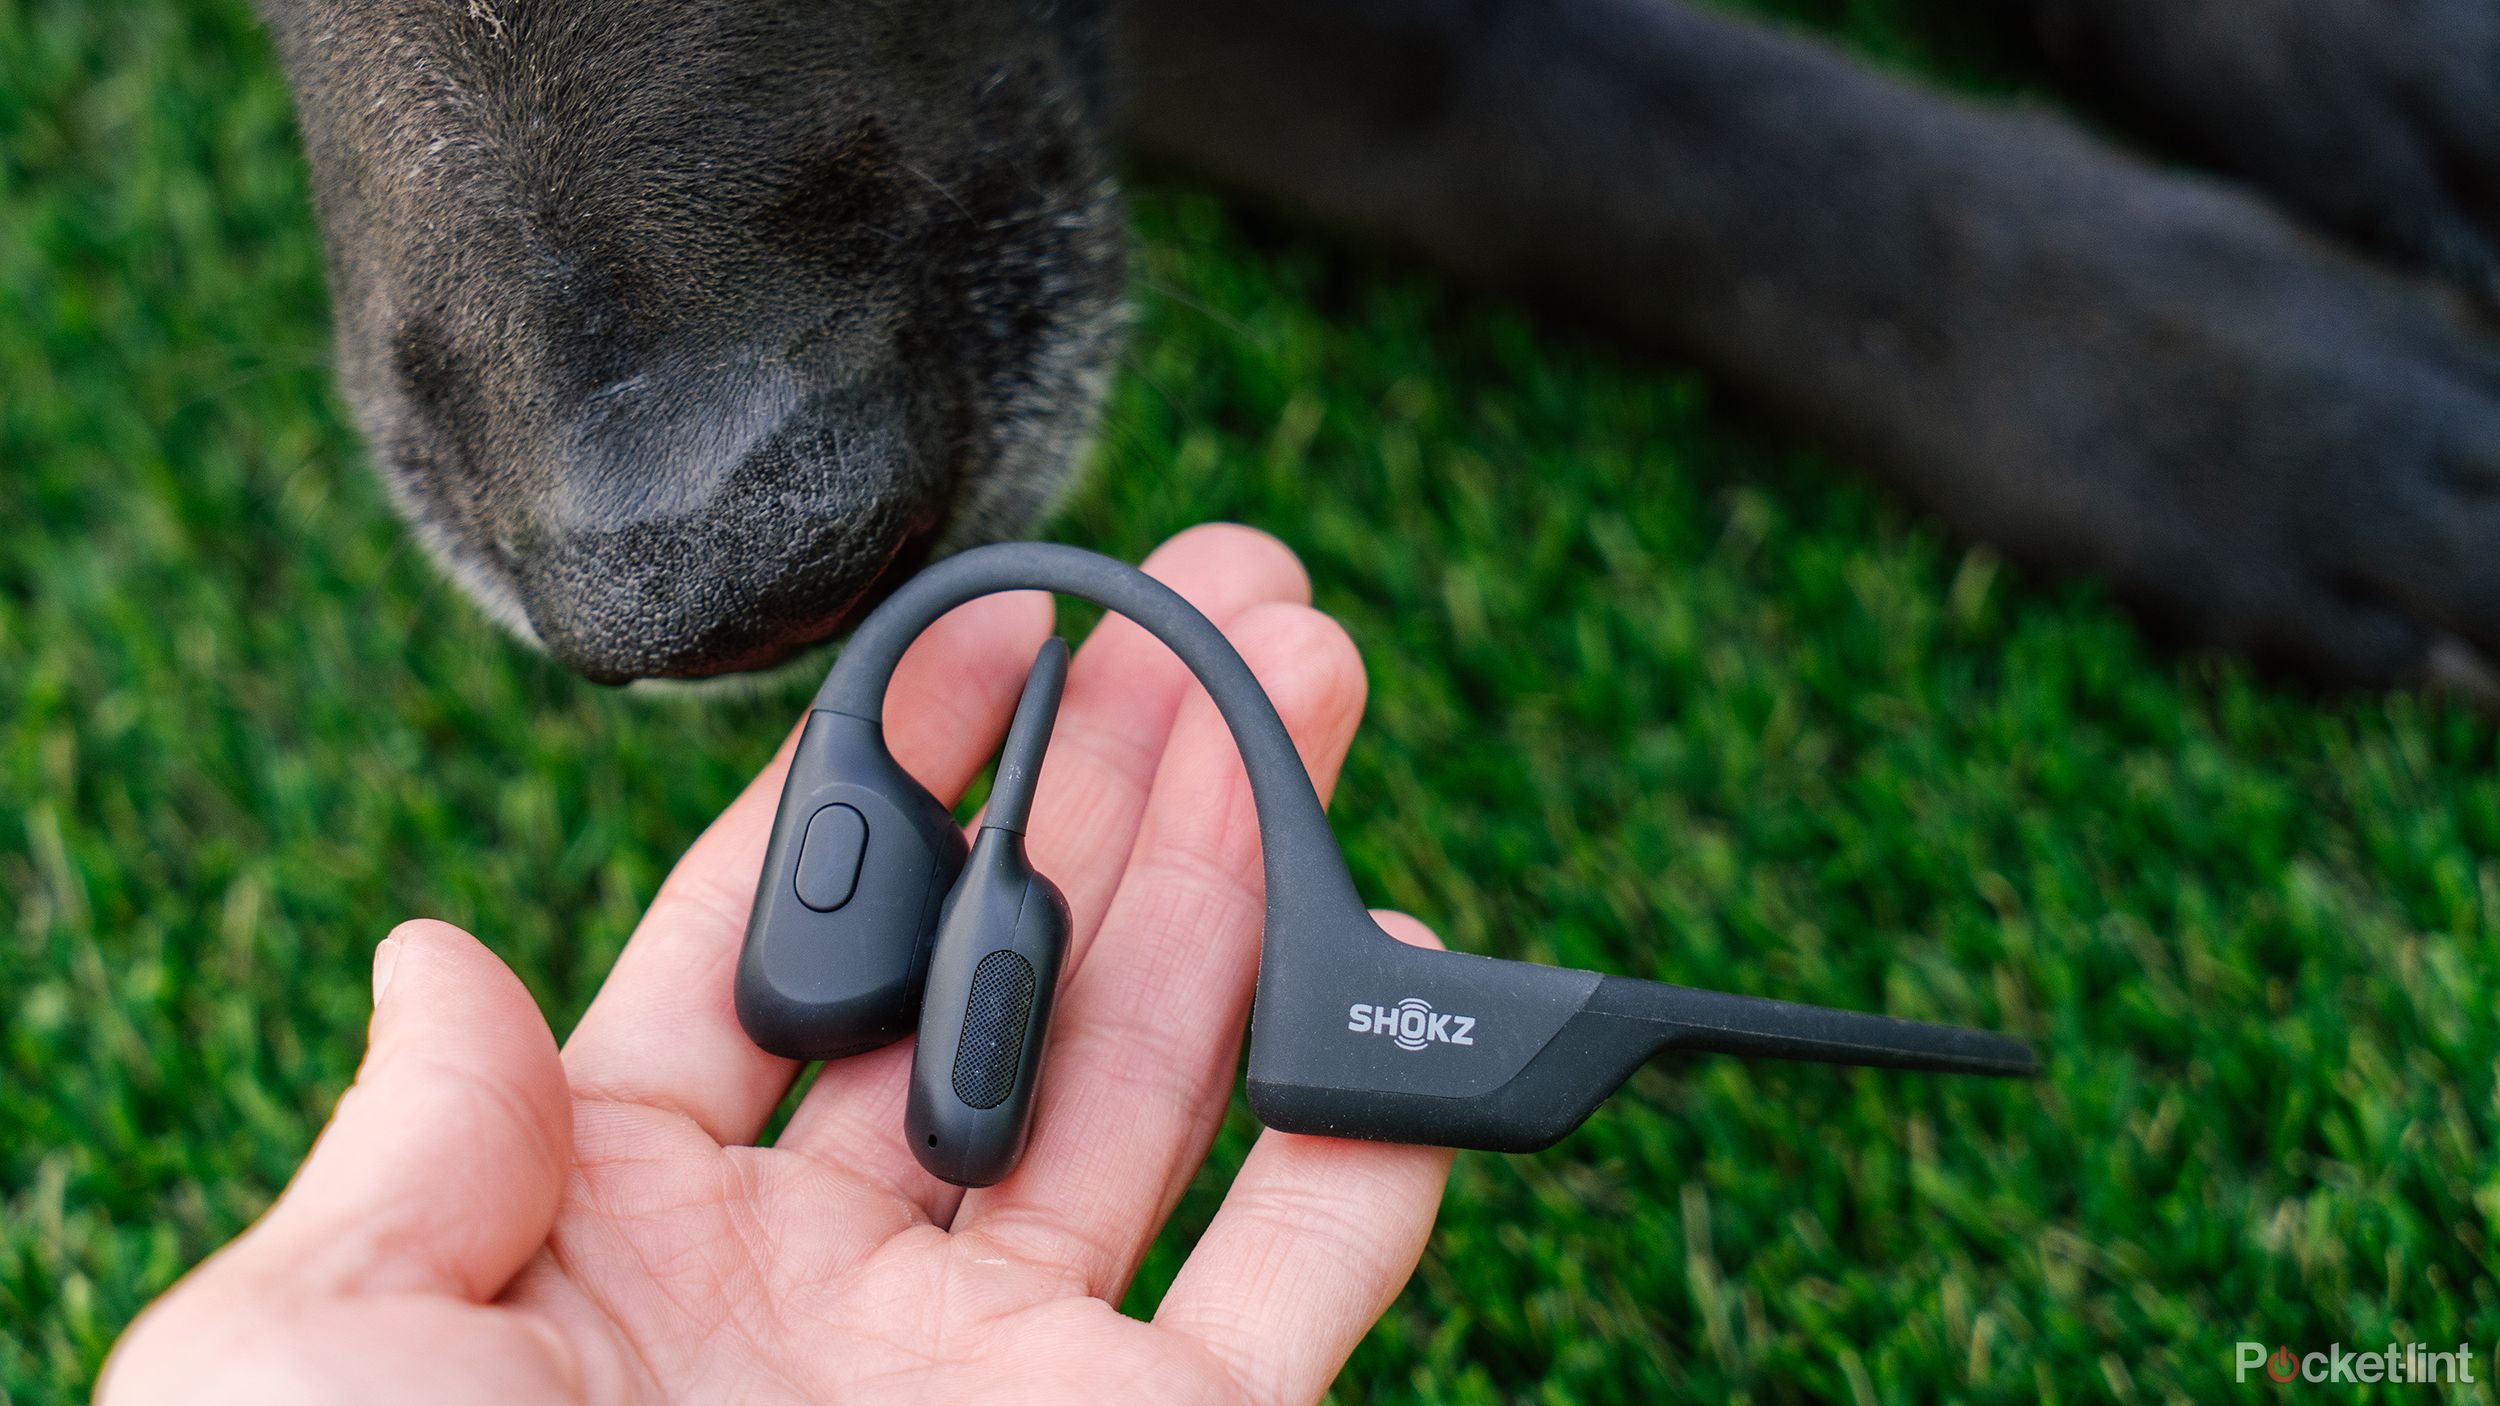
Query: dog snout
741	589
683	536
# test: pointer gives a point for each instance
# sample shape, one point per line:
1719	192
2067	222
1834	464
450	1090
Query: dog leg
2268	445
2378	121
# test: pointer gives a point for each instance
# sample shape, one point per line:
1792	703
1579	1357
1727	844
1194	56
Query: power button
829	856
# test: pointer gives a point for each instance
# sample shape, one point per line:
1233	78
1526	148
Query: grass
1655	689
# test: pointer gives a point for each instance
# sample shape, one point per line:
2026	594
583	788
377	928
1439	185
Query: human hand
487	1219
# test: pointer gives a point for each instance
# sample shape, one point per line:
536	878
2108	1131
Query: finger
1123	688
663	1032
1313	1242
441	1169
1140	1063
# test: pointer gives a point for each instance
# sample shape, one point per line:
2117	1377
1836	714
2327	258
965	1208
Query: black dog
679	325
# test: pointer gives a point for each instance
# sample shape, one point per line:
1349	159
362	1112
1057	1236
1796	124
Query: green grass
1655	689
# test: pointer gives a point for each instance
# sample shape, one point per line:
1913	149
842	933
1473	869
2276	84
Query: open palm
488	1219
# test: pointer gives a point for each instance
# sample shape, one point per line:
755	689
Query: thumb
441	1168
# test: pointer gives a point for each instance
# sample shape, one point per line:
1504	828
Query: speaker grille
994	1020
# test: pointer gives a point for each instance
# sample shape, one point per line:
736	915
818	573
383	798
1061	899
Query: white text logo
2401	1363
1413	1023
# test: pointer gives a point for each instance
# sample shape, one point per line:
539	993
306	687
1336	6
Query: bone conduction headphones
874	918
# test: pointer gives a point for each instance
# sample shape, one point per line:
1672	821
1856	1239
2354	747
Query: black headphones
873	917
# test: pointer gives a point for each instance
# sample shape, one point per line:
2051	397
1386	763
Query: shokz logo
1413	1023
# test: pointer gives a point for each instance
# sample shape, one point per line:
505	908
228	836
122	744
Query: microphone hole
933	1139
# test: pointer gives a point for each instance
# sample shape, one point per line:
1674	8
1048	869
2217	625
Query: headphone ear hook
993	970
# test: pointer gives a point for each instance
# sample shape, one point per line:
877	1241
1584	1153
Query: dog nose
741	590
711	534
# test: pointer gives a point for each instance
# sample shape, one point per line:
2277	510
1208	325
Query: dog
680	328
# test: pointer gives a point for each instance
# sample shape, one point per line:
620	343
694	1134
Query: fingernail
385	957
